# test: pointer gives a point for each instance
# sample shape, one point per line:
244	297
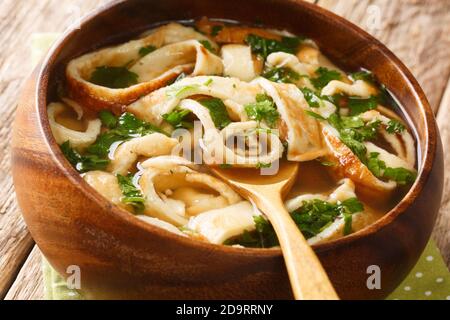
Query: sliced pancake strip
301	131
139	67
174	192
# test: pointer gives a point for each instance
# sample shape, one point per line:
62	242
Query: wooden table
418	31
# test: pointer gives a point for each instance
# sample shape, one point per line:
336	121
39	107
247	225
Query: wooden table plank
29	282
416	30
442	228
18	20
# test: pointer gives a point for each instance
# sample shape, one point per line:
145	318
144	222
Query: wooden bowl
123	257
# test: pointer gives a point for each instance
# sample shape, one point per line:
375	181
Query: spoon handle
307	276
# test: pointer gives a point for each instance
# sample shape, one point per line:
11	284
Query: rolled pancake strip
95	97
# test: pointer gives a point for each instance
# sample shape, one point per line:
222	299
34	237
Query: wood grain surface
418	31
29	283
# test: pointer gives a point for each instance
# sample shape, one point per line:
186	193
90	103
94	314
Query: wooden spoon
307	276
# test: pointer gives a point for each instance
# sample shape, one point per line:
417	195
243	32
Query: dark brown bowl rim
129	218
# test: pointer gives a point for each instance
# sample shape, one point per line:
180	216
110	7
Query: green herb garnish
264	47
282	75
108	119
311	218
353	132
263	237
215	30
114	77
359	105
208	82
363	75
261	165
395	126
355	145
315	215
352	122
177	118
324	76
400	175
314	115
83	163
131	194
313	100
264	109
183	91
207	45
127	127
146	50
217	110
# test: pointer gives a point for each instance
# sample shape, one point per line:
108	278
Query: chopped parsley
314	115
363	75
215	30
114	77
313	100
123	128
83	163
353	132
146	50
207	45
384	97
264	47
208	82
356	105
356	146
180	92
359	105
264	109
130	126
355	127
400	175
261	165
395	126
324	76
375	165
107	119
316	215
217	110
352	122
131	194
282	75
311	218
177	118
263	237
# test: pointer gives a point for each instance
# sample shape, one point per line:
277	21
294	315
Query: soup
143	122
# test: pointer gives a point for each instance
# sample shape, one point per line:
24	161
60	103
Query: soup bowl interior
123	257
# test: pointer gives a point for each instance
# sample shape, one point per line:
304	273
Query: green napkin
55	287
430	278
